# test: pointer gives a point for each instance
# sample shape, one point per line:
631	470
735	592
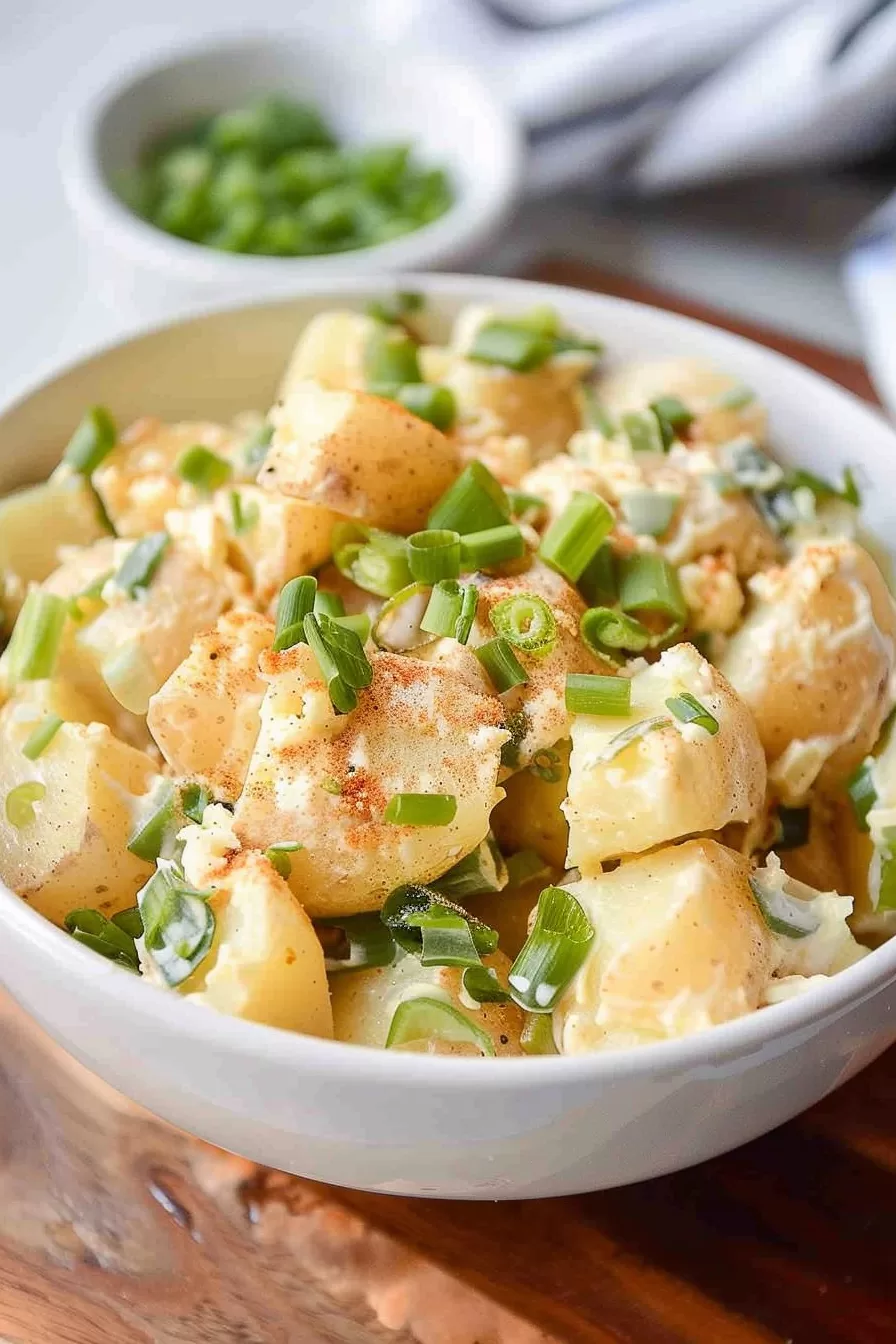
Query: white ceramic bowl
408	1123
369	92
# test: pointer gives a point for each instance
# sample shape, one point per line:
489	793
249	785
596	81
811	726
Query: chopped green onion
885	858
633	733
527	622
800	479
649	512
406	903
434	555
429	402
129	922
92	929
469	601
148	840
243	517
862	792
590	693
501	664
598	581
278	856
359	624
36	637
92	441
687	709
596	414
492	547
141	562
421	809
444	611
603	630
849	488
326	603
553	953
567	343
480	872
297	598
525	507
735	399
537	1035
203	469
792	826
255	449
391	357
393	311
424	1020
20	803
525	866
673	417
481	984
355	943
340	655
373	560
783	913
542	318
545	765
642	428
398	626
40	737
194	799
572	540
178	922
511	346
749	465
472	503
648	582
447	940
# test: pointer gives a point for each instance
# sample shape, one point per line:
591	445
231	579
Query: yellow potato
281	538
541	406
265	962
530	817
34	524
507	456
330	351
673	780
679	945
813	660
205	718
699	385
73	852
325	779
359	455
364	1002
715	598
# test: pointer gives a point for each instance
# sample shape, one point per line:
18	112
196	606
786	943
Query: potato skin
325	779
674	781
359	455
289	537
699	385
364	1002
529	815
679	946
813	660
541	406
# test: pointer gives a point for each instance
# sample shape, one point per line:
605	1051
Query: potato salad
481	696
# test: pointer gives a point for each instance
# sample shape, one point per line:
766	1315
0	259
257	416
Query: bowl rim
713	1047
460	229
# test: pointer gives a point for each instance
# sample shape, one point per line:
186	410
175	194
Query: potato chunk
669	780
265	963
359	455
830	947
74	851
280	538
364	1003
865	852
813	660
325	780
530	815
206	716
679	945
330	351
704	389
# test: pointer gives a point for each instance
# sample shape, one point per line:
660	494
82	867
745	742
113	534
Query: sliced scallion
605	630
394	311
376	561
391	357
355	943
296	600
148	841
480	872
41	736
398	626
178	923
634	733
572	540
421	809
649	583
686	708
527	622
525	507
596	414
481	984
426	1020
434	554
429	402
20	803
203	469
501	664
598	582
129	922
472	503
553	953
642	429
783	913
243	516
92	929
34	645
359	624
525	866
673	417
447	940
278	856
510	345
330	604
492	547
537	1035
885	860
862	792
590	693
138	568
649	512
405	903
92	441
340	655
194	799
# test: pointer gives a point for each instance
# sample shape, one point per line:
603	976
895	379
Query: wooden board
115	1229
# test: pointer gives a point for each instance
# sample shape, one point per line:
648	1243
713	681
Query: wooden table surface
115	1229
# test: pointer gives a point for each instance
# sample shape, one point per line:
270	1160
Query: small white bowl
369	93
417	1124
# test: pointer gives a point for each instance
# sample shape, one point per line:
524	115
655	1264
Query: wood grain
116	1229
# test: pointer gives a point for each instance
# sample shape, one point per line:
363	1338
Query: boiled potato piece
34	524
703	388
280	538
265	962
536	712
831	947
679	946
813	661
324	779
530	816
714	597
863	851
330	351
364	1002
359	455
206	716
138	482
73	852
670	780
